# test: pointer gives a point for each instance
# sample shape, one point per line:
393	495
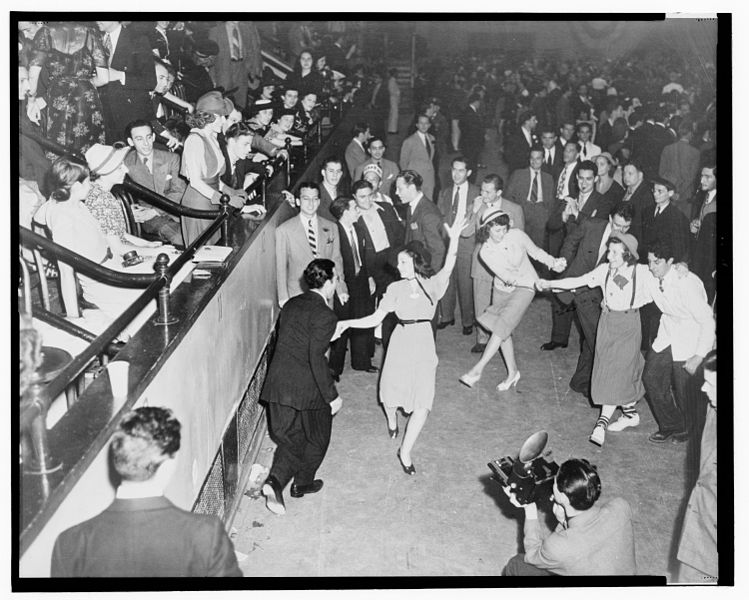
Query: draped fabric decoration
600	37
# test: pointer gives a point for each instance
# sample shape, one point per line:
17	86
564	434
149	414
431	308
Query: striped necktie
534	189
354	251
562	181
312	237
108	48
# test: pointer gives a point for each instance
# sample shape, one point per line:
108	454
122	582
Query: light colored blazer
165	179
414	157
293	254
354	156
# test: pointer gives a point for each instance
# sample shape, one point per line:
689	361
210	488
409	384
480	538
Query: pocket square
168	177
414	225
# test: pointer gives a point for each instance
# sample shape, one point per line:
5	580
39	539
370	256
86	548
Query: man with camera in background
590	538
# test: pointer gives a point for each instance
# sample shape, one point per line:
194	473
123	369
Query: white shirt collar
333	191
416	201
710	196
305	220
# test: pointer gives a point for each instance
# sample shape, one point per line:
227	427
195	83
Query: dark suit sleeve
223	560
260	144
572	243
141	73
434	241
322	328
680	236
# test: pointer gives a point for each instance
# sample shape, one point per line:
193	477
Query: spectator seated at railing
107	169
73	226
261	115
263	148
242	171
280	129
265	90
306	116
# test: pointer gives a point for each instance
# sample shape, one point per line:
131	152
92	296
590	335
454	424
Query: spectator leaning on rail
142	534
590	538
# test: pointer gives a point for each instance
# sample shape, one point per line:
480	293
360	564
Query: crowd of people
608	210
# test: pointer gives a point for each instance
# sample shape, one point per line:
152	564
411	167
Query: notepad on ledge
211	254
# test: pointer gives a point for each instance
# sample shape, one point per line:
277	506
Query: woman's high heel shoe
408	470
509	382
393	433
469	379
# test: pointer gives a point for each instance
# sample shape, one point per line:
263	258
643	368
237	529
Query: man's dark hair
636	116
579	481
309	185
612	104
526	116
685	128
136	123
587	165
237	130
462	159
636	164
145	438
548	129
583	124
494	179
625	210
571	143
713	167
318	272
474	97
331	159
359	128
376	138
710	362
360	185
536	149
339	206
661	248
290	86
411	178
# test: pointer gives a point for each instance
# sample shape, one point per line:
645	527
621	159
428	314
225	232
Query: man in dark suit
142	534
330	186
132	77
553	153
519	142
639	193
653	137
361	287
456	202
389	168
423	219
584	249
158	171
237	143
299	388
607	132
196	70
704	248
472	135
533	189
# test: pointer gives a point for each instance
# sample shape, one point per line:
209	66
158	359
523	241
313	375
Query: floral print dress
74	114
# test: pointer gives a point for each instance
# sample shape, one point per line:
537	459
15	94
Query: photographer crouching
590	538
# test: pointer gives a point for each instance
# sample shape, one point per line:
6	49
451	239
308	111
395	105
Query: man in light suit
533	189
142	534
238	58
483	279
355	155
417	154
302	239
456	202
156	170
389	168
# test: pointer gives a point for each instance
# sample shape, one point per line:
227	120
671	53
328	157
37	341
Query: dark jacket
425	225
672	226
580	250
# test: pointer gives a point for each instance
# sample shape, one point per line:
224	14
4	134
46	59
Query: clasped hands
572	208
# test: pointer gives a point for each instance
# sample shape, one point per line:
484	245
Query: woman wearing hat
618	363
506	251
611	191
203	164
410	367
280	130
107	169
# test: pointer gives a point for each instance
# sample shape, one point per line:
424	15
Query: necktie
234	178
147	163
456	202
560	185
354	250
548	157
236	45
657	212
108	48
583	149
429	146
312	238
627	196
534	189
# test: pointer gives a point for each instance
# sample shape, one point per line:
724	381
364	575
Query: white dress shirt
373	222
540	195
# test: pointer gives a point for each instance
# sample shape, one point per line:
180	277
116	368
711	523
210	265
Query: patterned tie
354	250
312	238
429	146
147	163
108	48
236	45
562	181
534	189
456	202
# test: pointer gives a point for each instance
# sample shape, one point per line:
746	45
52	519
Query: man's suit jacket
232	74
165	179
425	225
642	202
580	250
298	375
515	212
680	163
414	157
536	214
354	155
649	145
390	172
556	165
380	265
326	201
445	204
572	186
293	254
471	134
704	246
125	103
145	537
517	149
596	207
670	225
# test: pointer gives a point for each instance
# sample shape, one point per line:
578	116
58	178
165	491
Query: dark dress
74	112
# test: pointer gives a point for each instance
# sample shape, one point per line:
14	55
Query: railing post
164	316
41	461
287	145
225	223
319	131
264	183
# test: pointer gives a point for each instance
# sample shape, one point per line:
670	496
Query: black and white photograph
402	300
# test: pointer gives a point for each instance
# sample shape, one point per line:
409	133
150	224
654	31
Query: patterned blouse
107	211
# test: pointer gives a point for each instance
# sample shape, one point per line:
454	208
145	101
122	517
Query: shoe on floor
598	435
298	491
623	422
468	330
273	496
658	437
478	349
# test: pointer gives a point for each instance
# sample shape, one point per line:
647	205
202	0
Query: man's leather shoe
370	369
552	346
297	491
468	330
273	496
446	324
478	349
659	436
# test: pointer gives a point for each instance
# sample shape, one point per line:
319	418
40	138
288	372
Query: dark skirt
618	363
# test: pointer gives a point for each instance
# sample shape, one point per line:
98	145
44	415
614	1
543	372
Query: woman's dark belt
413	321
